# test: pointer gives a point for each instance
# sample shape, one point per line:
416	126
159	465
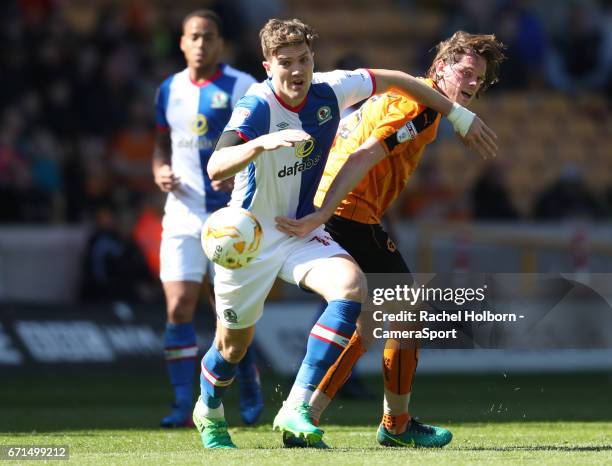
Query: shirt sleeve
243	84
394	125
351	87
250	118
161	104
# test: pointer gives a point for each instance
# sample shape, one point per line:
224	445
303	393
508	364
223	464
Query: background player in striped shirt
375	152
192	108
276	143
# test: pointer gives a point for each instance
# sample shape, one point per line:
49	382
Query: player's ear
266	65
439	67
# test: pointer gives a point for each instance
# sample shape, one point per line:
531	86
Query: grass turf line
111	418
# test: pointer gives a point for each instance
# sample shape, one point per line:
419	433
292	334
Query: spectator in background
131	148
521	29
579	59
490	198
148	230
15	174
115	269
567	198
45	159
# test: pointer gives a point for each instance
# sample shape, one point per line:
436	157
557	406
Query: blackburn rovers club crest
230	316
219	100
199	125
324	114
304	148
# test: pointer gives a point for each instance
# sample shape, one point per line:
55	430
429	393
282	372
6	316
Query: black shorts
369	244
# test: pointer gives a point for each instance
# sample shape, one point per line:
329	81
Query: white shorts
240	294
181	255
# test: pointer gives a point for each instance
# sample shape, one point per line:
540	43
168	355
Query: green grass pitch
111	418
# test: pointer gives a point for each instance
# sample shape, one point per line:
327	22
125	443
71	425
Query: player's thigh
181	300
240	293
369	244
319	264
377	255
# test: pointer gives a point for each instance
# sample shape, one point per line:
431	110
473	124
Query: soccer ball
231	237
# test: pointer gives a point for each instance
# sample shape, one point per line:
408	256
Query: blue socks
327	339
181	351
217	375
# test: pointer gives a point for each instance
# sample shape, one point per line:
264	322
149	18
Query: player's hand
225	186
299	227
165	178
481	139
285	138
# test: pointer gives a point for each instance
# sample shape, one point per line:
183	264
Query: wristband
461	118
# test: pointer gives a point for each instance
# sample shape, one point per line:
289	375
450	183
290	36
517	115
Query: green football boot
213	432
296	420
291	441
416	435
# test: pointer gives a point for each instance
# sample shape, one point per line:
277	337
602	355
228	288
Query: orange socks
395	424
399	367
340	371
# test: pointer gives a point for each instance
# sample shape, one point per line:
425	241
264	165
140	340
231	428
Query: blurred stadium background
80	215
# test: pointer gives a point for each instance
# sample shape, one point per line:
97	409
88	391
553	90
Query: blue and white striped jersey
195	115
284	181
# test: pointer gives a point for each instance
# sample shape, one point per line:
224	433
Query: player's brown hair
460	43
278	33
205	14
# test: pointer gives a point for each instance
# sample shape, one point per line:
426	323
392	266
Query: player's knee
233	351
352	284
180	309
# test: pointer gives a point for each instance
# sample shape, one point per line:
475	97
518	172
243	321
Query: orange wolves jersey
403	127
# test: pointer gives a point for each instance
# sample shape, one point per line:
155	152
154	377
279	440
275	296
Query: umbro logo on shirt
282	125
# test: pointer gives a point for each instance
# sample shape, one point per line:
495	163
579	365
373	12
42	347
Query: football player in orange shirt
375	152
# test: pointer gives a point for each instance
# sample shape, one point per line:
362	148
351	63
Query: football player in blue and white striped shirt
192	108
276	144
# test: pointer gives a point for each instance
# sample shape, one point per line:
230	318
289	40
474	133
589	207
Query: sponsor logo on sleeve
406	132
239	116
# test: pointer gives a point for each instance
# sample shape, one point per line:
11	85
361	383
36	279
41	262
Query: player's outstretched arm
232	154
352	172
473	131
480	138
163	175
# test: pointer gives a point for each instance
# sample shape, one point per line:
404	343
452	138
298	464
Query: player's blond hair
278	33
460	43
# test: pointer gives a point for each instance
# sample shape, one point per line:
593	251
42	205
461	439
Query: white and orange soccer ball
231	237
